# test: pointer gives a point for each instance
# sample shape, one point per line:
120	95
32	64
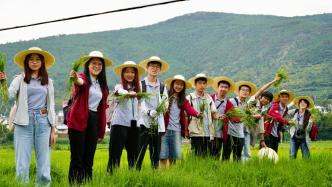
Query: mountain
244	47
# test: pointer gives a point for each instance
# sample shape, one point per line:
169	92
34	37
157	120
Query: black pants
272	142
82	148
216	148
122	137
154	141
201	146
233	144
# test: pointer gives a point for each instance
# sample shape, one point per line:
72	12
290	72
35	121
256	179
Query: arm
275	114
76	77
189	109
265	87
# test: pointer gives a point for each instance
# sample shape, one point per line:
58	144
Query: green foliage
190	171
244	47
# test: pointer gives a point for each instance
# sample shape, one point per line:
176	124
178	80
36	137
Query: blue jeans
36	134
246	148
171	145
295	144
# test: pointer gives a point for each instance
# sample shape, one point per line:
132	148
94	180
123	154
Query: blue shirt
174	116
37	95
236	129
221	104
95	95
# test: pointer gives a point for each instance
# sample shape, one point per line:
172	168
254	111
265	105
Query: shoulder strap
237	101
143	86
191	100
162	87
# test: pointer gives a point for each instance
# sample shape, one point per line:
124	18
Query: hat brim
290	93
107	61
297	100
164	64
253	88
118	70
216	80
169	81
19	58
192	81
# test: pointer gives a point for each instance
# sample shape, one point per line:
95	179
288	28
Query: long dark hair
101	77
181	95
136	81
42	71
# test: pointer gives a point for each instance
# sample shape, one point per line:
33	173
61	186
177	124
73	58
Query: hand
263	144
153	113
2	76
256	116
73	74
52	137
100	140
222	116
200	115
132	94
276	78
186	134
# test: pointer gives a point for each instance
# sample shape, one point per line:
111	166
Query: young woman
302	122
87	118
126	115
35	116
175	120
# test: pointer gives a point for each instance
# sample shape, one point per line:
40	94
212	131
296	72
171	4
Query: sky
21	12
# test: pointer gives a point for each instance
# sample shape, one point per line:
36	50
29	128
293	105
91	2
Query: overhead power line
91	15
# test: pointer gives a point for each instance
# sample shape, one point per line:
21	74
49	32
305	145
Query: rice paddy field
191	171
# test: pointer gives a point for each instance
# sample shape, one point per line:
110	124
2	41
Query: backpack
313	132
162	87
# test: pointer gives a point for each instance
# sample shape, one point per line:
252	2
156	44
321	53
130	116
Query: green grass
191	171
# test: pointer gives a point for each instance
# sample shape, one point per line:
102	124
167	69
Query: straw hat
96	54
169	81
128	64
253	88
200	75
20	57
216	80
268	153
290	93
307	98
164	64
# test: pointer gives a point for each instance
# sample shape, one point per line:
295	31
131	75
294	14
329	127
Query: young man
201	130
222	85
259	101
151	84
237	133
277	112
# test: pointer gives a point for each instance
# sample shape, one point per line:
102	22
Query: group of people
137	121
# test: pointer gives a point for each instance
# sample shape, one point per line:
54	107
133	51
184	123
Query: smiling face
34	62
129	74
284	98
244	91
223	88
178	86
95	66
200	85
153	68
303	104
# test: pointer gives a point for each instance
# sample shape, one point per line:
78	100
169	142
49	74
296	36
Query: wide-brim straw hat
308	98
252	86
200	75
96	54
164	64
169	81
129	64
216	80
290	93
20	57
